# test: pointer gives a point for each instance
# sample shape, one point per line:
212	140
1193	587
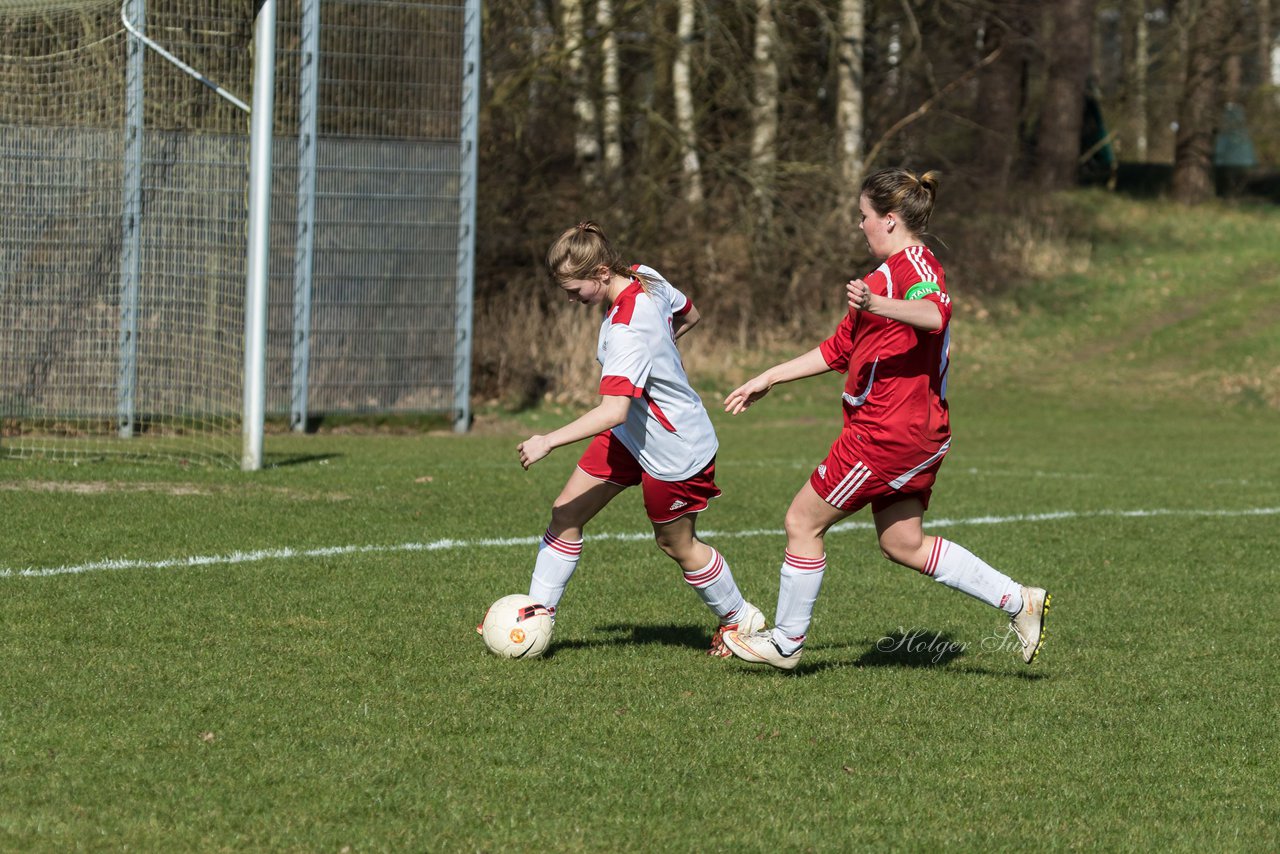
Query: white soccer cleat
551	611
750	619
759	648
1028	624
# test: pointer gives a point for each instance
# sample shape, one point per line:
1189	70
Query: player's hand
859	295
533	449
746	394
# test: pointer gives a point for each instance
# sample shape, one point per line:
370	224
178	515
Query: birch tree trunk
893	59
586	143
849	100
1138	73
1268	49
1061	115
611	126
1275	63
764	111
682	86
541	35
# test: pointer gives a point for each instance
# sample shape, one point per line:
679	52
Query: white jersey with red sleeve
667	428
895	392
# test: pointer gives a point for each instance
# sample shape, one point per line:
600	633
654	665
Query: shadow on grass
695	637
919	649
275	461
916	648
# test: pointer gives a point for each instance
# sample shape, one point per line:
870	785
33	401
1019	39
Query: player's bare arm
919	313
682	324
809	365
609	413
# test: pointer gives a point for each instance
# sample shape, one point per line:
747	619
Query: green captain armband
922	290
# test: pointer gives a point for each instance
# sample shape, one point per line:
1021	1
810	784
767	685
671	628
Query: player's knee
800	527
564	516
673	547
900	551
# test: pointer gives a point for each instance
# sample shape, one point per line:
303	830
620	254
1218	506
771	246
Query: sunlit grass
297	692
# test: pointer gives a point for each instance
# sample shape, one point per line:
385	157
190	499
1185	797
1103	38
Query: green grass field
197	659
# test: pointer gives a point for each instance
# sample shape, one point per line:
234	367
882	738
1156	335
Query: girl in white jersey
893	347
649	429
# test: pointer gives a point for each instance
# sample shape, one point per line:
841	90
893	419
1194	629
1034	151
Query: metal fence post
466	216
304	252
131	228
259	272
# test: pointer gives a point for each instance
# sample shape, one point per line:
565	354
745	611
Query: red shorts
664	500
845	482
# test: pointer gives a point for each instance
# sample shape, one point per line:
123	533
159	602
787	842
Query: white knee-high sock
957	567
714	583
557	559
797	593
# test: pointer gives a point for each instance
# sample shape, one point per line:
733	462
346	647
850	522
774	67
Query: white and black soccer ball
517	626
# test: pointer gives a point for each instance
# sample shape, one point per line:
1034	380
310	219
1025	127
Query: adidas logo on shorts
677	504
822	472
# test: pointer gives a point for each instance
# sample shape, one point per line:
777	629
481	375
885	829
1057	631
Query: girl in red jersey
893	347
650	429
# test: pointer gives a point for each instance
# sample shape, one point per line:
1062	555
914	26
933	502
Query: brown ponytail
898	191
581	250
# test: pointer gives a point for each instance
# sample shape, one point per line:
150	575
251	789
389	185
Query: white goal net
122	231
124	221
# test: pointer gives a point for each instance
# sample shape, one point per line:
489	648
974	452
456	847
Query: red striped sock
714	583
960	569
801	581
555	565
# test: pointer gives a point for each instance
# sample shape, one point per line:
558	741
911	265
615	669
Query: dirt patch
102	487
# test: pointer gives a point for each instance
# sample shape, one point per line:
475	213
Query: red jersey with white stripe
895	391
667	427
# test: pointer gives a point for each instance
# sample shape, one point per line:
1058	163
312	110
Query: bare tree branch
928	104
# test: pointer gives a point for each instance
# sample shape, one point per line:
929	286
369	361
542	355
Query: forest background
723	141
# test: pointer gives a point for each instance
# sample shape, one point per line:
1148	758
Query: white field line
504	542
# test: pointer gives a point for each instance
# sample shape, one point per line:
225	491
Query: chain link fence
123	194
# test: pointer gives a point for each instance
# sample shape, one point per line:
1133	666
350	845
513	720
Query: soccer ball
517	626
